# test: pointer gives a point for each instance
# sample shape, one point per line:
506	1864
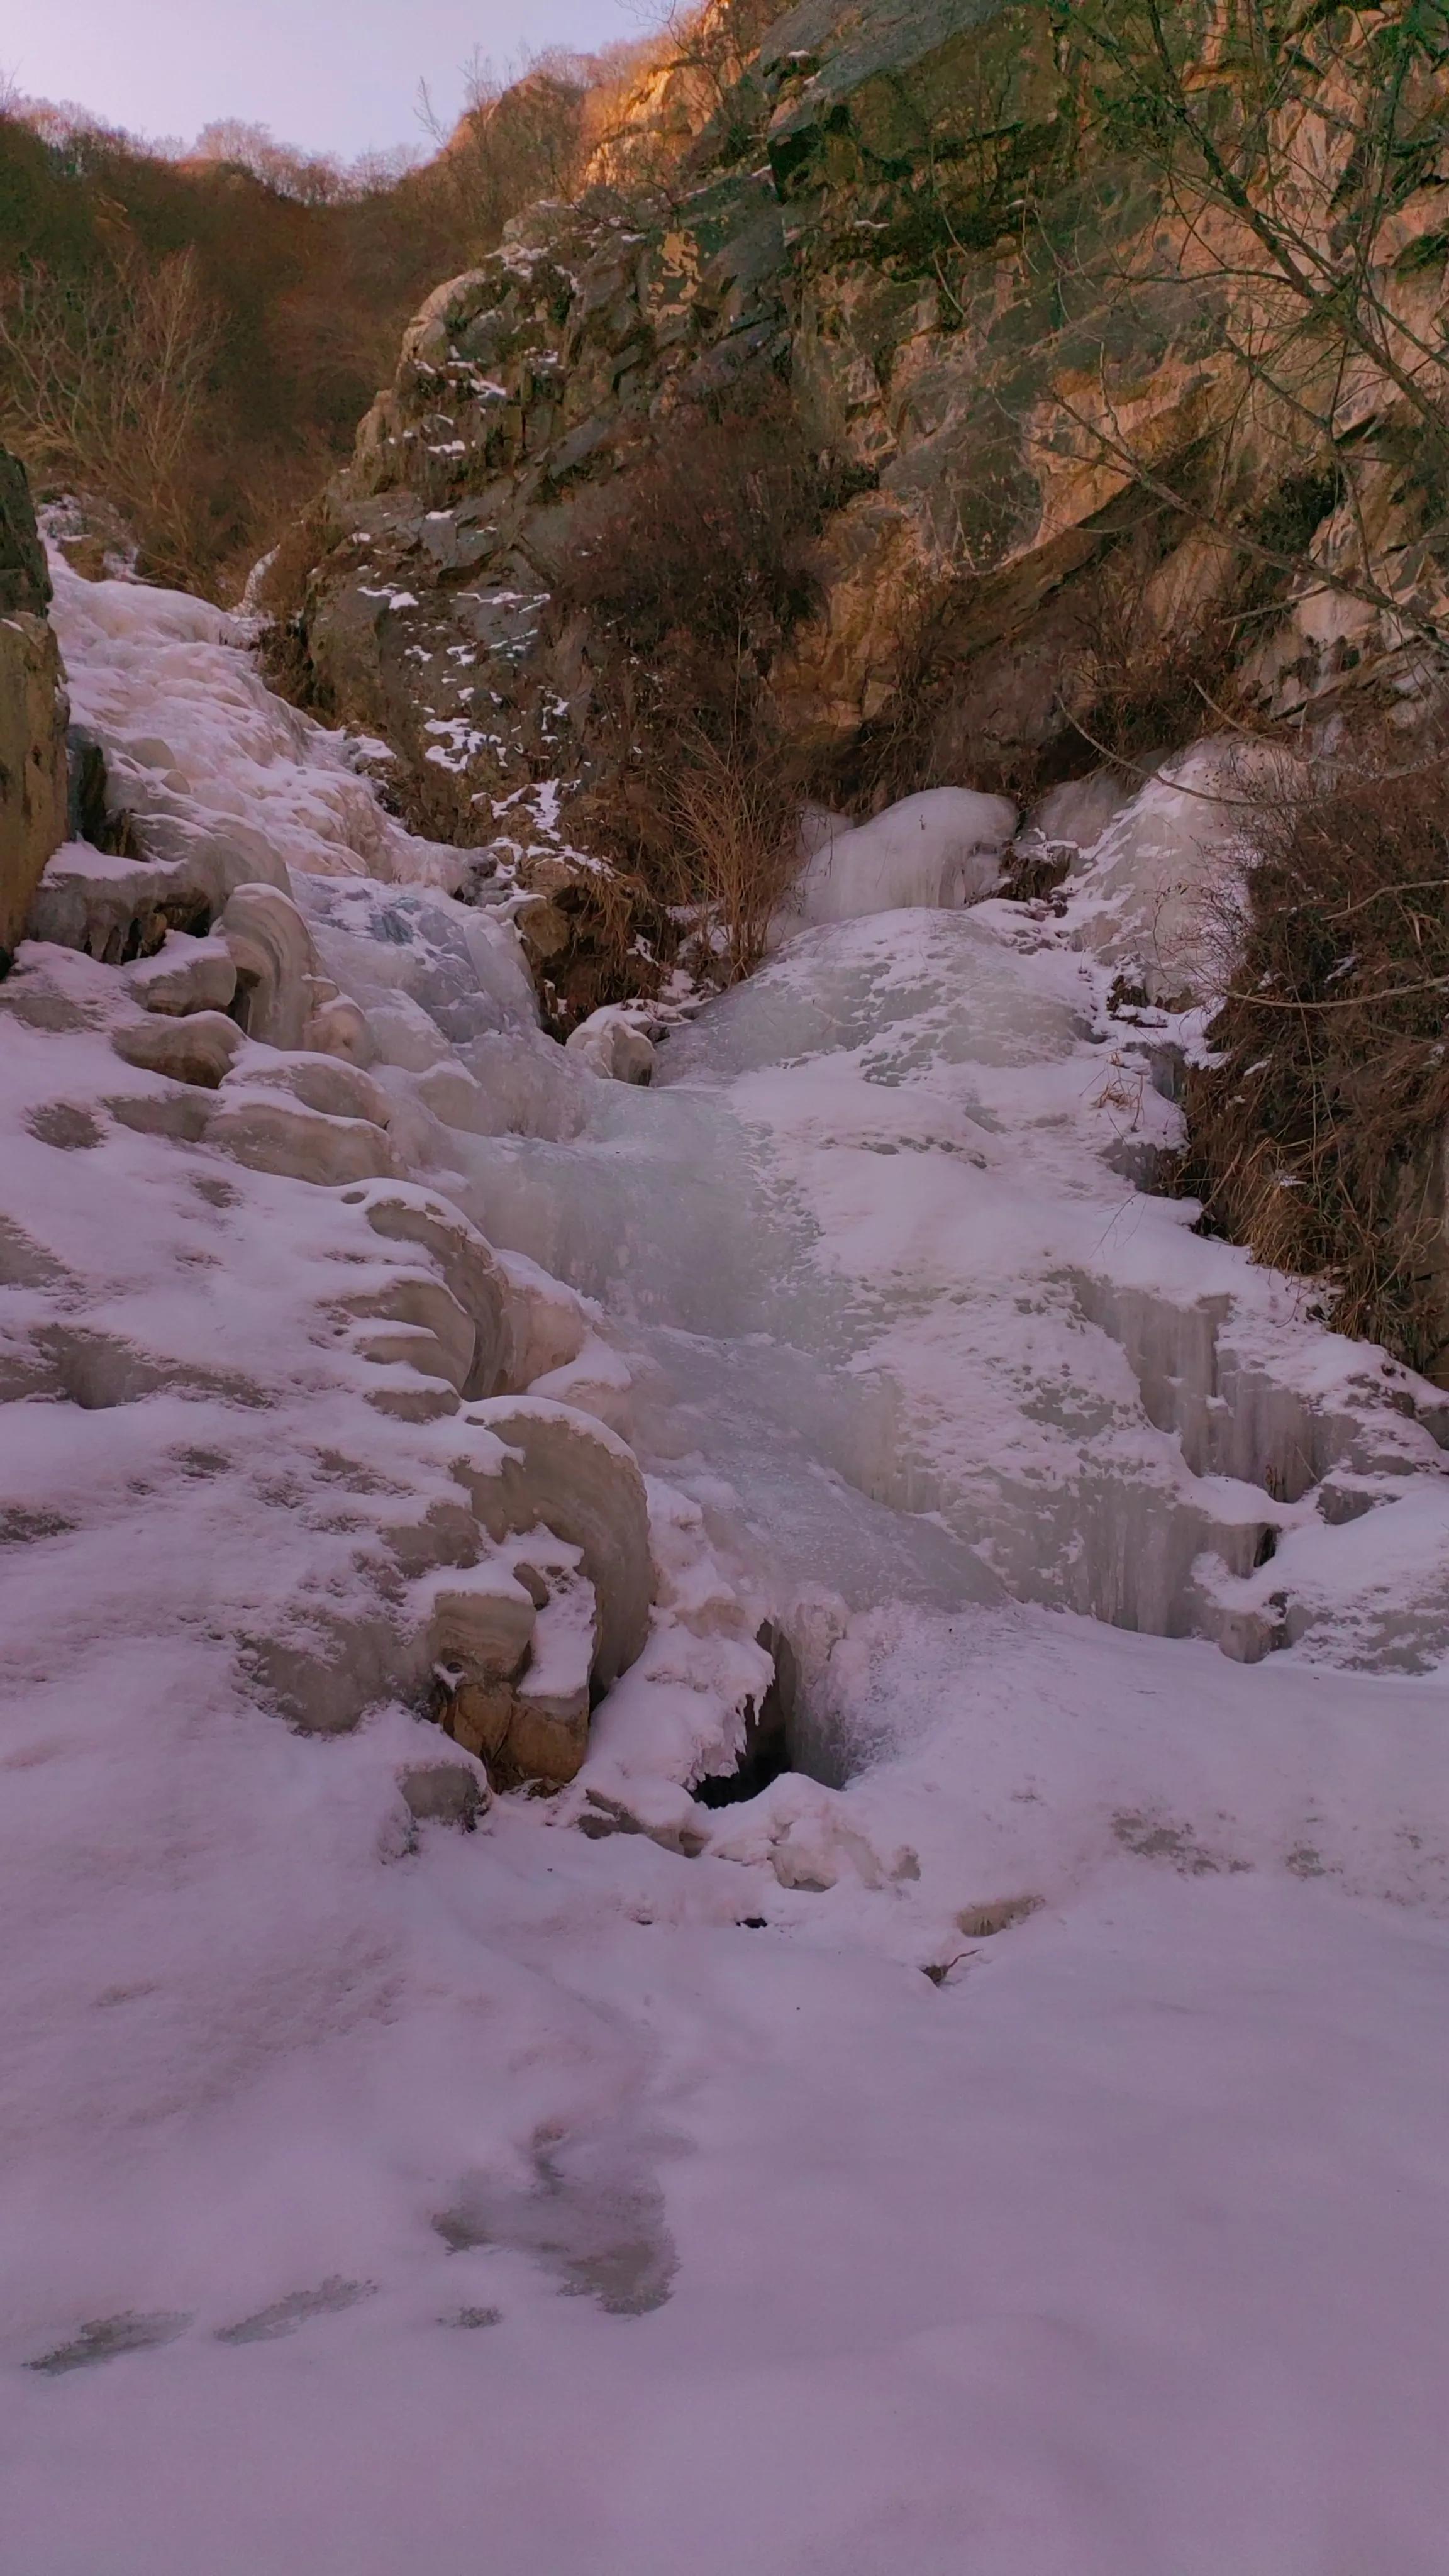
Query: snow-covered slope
1012	2139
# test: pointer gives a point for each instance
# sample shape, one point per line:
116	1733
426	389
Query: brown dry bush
1143	685
105	386
738	848
1316	1134
709	534
691	566
618	944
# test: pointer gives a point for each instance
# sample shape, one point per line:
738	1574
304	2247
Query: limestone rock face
33	710
848	216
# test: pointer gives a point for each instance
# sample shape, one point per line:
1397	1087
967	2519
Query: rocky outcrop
33	710
1044	482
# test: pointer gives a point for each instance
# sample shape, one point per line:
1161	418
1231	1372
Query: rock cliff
32	711
1077	474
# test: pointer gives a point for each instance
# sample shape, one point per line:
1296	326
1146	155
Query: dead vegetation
690	567
708	535
1316	1133
192	342
738	846
105	388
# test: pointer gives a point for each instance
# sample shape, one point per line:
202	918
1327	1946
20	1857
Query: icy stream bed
1014	2141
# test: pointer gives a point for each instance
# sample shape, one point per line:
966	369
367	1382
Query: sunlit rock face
848	219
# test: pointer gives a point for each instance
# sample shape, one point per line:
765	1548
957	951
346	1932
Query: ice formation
943	847
395	1408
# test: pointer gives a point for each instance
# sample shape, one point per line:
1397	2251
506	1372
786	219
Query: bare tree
105	383
1284	141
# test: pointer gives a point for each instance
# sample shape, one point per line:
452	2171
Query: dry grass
618	943
1316	1136
739	847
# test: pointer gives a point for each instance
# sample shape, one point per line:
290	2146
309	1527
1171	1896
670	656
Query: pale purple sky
335	75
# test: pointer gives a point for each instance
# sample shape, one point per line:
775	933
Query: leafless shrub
1144	683
738	849
709	533
518	140
690	568
1283	148
105	383
1316	1133
618	944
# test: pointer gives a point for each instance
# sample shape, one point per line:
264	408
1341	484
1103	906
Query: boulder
445	1793
610	1045
269	1134
185	974
336	1087
200	1049
412	1318
548	1735
470	1270
24	580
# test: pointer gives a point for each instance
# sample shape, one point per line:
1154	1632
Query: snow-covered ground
1015	2140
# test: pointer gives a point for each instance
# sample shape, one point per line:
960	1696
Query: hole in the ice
767	1747
284	2316
105	2338
1267	1547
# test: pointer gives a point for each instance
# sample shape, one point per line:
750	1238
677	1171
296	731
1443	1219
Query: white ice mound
979	1322
942	848
1146	897
226	781
566	1471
